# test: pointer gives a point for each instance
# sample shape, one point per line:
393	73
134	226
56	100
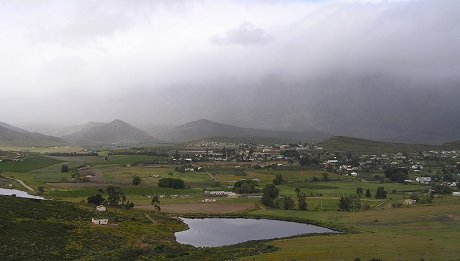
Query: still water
18	193
214	232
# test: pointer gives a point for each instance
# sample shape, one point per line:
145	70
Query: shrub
171	183
136	180
245	186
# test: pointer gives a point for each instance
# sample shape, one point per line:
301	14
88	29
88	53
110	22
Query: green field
428	232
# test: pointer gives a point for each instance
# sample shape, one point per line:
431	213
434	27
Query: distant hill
341	143
115	132
73	129
256	140
453	145
14	136
203	128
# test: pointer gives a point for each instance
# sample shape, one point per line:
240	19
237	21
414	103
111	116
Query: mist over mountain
114	132
204	128
14	136
385	70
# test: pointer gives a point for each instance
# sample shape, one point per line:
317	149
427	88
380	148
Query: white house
208	200
456	194
101	208
219	194
103	221
354	174
409	201
423	180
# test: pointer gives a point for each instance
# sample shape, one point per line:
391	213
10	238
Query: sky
376	69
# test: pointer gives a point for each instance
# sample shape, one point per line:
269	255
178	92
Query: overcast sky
274	64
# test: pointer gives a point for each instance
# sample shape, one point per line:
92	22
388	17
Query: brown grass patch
206	208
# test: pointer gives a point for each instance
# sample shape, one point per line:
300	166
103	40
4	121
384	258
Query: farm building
423	180
219	194
208	200
101	208
409	201
456	194
103	221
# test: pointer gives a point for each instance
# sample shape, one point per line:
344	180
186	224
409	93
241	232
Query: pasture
429	232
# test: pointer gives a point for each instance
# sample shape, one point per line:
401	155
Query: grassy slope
28	164
428	232
54	230
340	143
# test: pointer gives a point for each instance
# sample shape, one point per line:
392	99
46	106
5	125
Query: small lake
214	232
18	193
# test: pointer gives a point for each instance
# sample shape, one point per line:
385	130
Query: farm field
416	232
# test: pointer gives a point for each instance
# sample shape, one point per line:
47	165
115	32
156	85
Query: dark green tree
156	202
117	197
288	202
95	200
136	180
270	193
368	193
171	183
245	187
381	193
349	203
325	177
302	201
396	174
359	191
64	168
278	180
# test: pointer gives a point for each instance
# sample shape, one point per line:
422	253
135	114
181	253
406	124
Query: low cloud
245	34
375	68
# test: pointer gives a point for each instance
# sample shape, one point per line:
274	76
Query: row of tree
115	198
270	198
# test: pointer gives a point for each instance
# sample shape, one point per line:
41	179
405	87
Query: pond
214	232
18	193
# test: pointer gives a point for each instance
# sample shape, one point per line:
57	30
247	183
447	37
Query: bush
288	203
136	180
381	193
171	183
270	194
396	174
278	180
245	186
64	168
95	200
349	203
397	205
425	199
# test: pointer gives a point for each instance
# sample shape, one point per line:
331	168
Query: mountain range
121	133
205	129
14	136
114	132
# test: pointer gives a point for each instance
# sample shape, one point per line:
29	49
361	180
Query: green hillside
341	143
55	230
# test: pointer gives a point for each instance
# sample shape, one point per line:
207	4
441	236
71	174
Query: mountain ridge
114	132
14	136
204	128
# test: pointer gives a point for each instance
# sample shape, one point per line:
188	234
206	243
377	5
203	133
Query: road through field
22	183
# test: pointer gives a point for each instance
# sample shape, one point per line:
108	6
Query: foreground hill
203	128
56	230
14	136
341	143
115	132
